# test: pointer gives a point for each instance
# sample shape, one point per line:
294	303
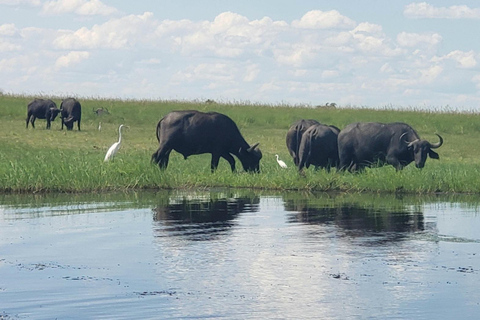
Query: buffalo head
250	158
69	123
52	113
421	148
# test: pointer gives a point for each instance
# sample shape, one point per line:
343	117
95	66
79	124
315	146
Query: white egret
112	151
100	126
280	162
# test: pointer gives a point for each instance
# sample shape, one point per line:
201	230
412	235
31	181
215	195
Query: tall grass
40	160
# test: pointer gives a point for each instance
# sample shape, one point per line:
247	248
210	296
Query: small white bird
280	162
99	126
112	151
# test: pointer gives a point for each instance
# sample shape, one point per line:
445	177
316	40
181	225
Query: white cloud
476	80
21	2
8	46
229	35
80	7
386	68
20	64
116	33
72	58
430	74
465	60
317	19
368	37
406	39
251	73
8	30
328	74
425	10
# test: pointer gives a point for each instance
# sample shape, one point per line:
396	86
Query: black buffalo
41	109
294	137
71	111
194	132
362	144
319	147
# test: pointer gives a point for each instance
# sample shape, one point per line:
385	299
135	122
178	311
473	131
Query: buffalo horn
407	142
253	147
438	144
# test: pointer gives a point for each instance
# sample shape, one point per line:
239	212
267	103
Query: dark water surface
239	255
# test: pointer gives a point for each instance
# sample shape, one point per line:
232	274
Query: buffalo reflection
200	219
355	221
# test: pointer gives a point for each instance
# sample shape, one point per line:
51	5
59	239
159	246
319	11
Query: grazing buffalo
71	111
42	109
362	144
194	132
319	147
294	136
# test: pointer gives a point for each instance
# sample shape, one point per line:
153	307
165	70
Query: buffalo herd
358	145
70	111
309	142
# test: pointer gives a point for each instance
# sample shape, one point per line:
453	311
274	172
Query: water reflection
201	218
358	221
377	219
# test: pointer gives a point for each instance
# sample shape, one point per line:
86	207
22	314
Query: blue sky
354	53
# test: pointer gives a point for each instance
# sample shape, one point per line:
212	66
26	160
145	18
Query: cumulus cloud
116	34
411	40
72	58
80	7
317	19
229	35
430	74
464	60
426	10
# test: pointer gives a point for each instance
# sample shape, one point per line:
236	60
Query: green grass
40	160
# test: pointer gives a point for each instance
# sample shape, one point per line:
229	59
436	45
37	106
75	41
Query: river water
239	254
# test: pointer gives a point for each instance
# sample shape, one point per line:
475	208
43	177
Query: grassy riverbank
37	160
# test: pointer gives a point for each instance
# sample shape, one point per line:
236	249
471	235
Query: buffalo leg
230	160
78	124
161	157
343	165
164	160
32	121
28	119
393	160
214	162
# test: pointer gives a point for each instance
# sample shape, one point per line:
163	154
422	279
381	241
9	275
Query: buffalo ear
433	154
